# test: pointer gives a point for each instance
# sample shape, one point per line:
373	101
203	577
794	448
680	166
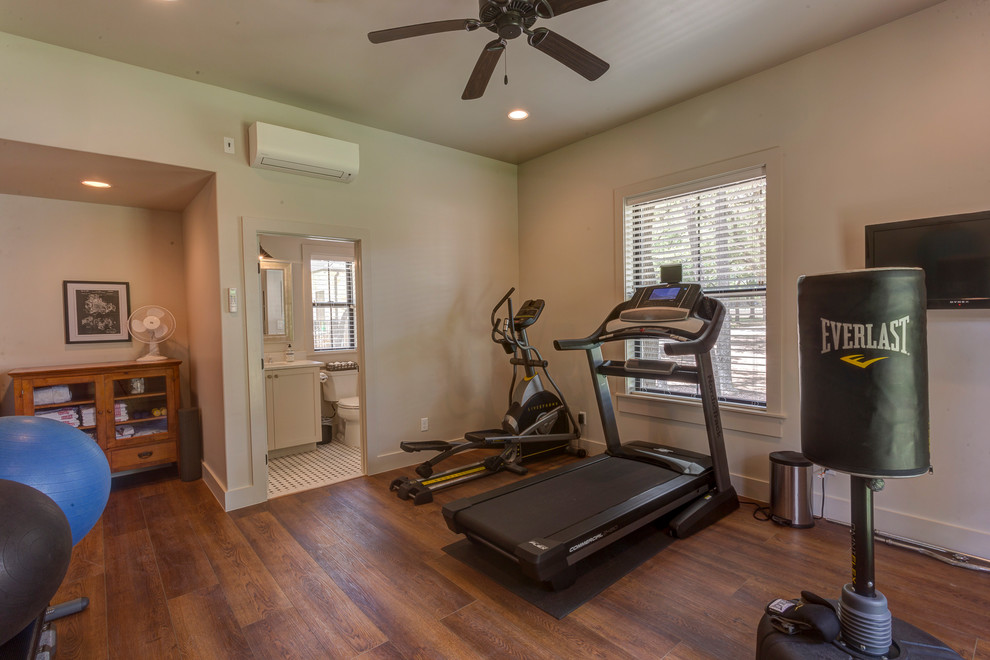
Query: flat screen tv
953	250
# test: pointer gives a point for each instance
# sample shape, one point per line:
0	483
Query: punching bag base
910	643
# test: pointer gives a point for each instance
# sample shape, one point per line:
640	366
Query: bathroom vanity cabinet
129	408
292	398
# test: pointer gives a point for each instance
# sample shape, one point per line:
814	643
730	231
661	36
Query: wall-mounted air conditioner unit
287	150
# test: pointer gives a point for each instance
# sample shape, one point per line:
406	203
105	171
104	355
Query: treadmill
550	522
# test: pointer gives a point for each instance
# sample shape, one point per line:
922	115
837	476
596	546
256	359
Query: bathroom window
332	282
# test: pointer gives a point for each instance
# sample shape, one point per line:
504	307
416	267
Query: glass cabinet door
72	401
138	409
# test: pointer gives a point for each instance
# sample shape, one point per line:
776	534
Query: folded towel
53	394
68	416
64	420
125	431
60	412
88	415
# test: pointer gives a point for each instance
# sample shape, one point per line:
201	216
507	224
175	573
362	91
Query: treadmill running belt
545	507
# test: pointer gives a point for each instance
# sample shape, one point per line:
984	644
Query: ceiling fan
509	19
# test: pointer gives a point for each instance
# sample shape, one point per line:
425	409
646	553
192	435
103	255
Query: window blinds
333	304
716	230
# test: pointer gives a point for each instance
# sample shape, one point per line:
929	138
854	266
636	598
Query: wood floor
351	571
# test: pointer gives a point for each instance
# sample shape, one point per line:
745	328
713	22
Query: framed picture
96	311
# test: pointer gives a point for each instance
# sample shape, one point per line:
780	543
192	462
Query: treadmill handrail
709	310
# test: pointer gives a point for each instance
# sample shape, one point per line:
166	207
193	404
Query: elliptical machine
537	424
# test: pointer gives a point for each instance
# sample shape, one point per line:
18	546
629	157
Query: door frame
251	227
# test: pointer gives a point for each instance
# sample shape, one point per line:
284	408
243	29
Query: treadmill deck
574	496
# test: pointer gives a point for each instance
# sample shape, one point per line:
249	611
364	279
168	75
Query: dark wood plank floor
351	571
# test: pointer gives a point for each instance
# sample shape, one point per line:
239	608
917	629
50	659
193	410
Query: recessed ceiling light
96	184
518	115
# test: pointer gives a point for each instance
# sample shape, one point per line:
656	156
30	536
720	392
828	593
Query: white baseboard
237	498
395	459
211	481
933	532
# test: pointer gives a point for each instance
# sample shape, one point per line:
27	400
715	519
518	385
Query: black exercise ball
35	548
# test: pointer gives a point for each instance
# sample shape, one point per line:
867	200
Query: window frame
745	417
698	240
318	252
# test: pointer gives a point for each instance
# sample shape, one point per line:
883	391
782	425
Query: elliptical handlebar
499	335
511	333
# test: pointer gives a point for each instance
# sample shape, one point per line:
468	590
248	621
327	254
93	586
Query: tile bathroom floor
327	464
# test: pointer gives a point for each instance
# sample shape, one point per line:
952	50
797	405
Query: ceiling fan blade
568	53
421	29
483	70
558	7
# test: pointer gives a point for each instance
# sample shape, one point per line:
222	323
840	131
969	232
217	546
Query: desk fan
152	325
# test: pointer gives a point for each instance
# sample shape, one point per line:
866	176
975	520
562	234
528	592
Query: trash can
790	489
327	423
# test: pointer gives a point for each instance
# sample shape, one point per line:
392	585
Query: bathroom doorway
317	327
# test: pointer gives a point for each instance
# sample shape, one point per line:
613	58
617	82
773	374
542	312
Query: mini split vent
287	150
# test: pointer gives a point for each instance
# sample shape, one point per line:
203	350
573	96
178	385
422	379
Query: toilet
341	387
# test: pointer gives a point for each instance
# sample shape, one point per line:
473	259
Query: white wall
890	125
47	241
440	242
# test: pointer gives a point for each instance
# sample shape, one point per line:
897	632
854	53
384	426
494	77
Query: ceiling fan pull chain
505	81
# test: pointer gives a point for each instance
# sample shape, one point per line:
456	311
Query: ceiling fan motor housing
508	19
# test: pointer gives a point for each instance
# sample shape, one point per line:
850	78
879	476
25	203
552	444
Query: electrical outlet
582	418
424	424
228	145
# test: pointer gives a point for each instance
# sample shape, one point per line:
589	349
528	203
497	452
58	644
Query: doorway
314	303
325	329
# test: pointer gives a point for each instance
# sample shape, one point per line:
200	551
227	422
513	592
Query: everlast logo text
888	336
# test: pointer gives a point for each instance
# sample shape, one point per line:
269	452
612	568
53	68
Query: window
717	230
332	281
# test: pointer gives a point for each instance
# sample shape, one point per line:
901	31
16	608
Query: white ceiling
315	54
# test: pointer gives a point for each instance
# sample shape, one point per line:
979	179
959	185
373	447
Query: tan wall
205	349
48	241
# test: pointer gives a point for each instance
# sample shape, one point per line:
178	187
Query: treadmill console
662	302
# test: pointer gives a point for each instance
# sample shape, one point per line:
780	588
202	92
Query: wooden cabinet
129	408
292	396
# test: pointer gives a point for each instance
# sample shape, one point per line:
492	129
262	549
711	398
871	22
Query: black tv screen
953	250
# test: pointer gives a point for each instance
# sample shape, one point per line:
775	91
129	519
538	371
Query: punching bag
864	371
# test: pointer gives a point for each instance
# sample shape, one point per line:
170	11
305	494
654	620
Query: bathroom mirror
276	300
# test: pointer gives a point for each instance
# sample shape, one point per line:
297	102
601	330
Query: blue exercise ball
35	549
62	462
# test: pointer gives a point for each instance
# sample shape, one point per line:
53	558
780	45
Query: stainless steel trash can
790	489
